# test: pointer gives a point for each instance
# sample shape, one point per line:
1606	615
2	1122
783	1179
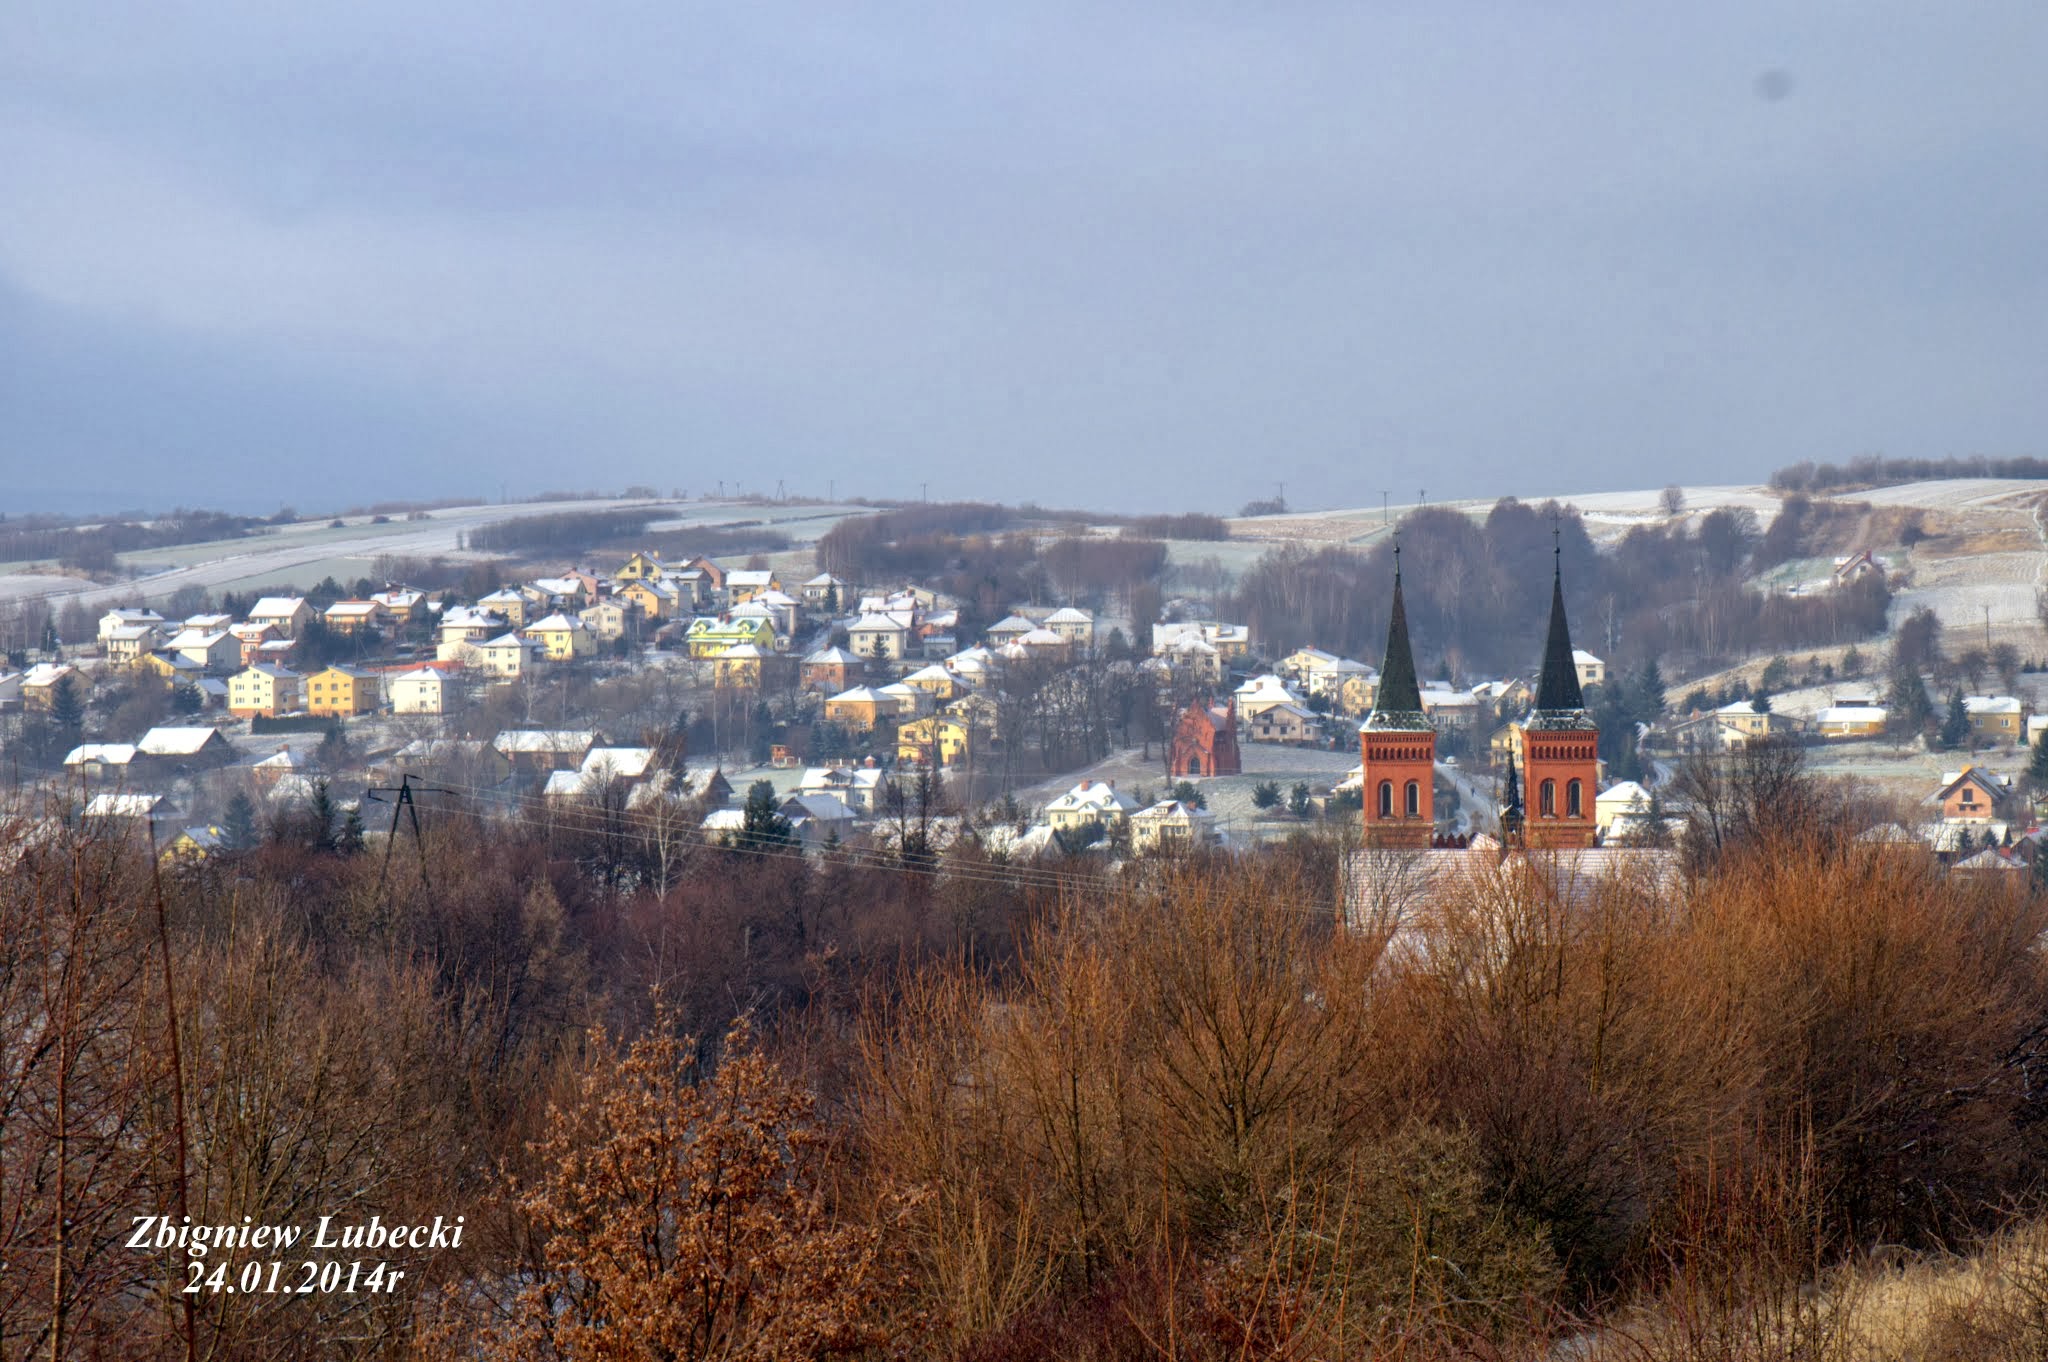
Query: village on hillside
727	702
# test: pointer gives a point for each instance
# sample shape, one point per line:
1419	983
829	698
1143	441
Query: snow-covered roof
554	623
560	783
276	607
197	638
858	695
1011	624
624	763
725	820
183	741
825	808
1041	638
1096	796
286	760
933	672
350	609
125	633
507	641
830	657
879	624
544	740
103	753
1585	659
122	805
276	671
422	675
826	579
750	577
1173	811
47	674
557	586
1852	714
1991	704
1627	792
1067	614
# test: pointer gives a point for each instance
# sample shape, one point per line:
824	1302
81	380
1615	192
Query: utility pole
1383	506
924	491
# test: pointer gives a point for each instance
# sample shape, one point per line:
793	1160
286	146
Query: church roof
1560	703
1398	702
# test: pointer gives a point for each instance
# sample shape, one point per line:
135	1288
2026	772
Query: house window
1414	799
1572	806
1386	799
1547	803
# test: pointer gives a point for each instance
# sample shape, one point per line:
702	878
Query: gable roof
178	742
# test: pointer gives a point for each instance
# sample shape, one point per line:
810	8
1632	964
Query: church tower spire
1560	741
1397	744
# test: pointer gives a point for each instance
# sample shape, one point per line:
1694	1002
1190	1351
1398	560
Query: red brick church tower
1397	746
1560	743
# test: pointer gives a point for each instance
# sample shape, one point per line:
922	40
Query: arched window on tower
1386	799
1572	807
1547	801
1414	799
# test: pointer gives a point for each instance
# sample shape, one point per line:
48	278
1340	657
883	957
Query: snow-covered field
305	552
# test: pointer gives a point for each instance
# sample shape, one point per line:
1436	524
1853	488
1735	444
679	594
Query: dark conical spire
1398	702
1558	691
1511	812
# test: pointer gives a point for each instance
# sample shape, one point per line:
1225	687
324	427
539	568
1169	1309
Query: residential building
125	617
423	690
181	749
1075	626
738	666
564	636
216	651
744	584
507	657
471	624
935	681
1007	630
818	819
101	760
910	702
532	750
354	617
708	637
264	688
250	638
831	670
657	598
343	692
1283	724
1995	718
816	591
880	636
1971	796
1592	671
401	604
129	643
1851	721
1262	693
39	684
858	787
641	567
1741	722
1172	826
1622	808
1455	709
508	604
941	738
860	708
609	619
289	615
1091	803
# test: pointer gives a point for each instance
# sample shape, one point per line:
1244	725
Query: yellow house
1994	718
1851	721
641	567
194	844
739	665
936	682
343	692
939	736
862	707
650	602
709	637
1355	694
170	666
1506	745
564	636
353	617
264	688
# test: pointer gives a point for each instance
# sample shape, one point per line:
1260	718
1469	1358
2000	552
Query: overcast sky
1117	252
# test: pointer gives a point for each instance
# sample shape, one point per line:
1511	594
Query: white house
423	691
1173	826
1091	802
880	636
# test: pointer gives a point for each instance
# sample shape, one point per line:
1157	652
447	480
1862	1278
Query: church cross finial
1397	557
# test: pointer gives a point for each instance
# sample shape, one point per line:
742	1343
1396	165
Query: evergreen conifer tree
239	822
1955	727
